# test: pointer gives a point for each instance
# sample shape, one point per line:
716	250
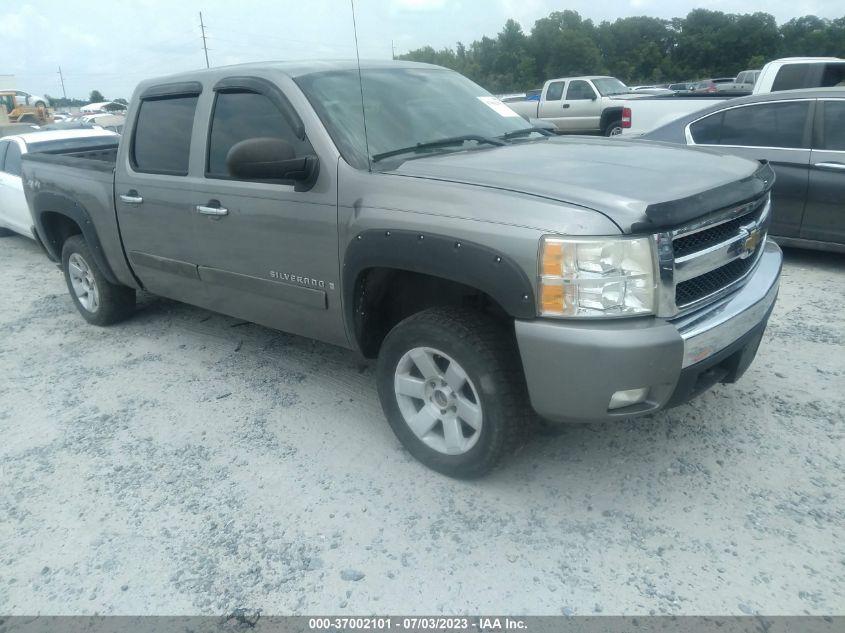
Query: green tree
635	49
96	96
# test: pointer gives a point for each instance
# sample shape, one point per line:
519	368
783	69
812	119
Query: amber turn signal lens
552	299
552	252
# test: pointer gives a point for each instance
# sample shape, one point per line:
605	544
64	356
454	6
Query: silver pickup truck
494	271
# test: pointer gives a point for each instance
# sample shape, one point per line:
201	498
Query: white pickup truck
790	73
579	104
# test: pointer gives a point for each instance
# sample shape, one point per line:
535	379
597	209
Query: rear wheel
451	385
614	128
99	301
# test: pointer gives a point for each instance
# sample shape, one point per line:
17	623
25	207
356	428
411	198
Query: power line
204	47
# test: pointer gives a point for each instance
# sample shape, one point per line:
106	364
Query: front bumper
574	368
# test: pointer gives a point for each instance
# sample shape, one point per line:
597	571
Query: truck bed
87	177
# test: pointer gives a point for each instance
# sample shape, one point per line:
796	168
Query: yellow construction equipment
22	114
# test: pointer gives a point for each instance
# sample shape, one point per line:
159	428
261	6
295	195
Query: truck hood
639	185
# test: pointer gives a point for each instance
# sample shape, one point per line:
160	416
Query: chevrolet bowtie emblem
751	242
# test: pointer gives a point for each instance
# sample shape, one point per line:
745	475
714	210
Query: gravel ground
185	462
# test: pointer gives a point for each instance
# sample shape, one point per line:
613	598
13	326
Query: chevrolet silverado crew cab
496	272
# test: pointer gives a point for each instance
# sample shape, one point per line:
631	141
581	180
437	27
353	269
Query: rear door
269	248
824	217
776	131
582	106
14	212
154	193
551	104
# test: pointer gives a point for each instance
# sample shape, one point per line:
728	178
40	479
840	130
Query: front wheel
99	301
452	388
614	128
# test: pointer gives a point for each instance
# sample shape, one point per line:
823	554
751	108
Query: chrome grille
690	291
714	235
708	259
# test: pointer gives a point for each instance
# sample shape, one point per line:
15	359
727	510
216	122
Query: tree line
66	102
638	50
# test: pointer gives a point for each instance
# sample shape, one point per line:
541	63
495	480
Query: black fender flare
609	115
446	257
44	203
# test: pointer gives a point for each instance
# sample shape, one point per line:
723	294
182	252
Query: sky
110	46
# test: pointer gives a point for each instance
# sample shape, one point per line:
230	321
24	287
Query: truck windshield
608	86
404	107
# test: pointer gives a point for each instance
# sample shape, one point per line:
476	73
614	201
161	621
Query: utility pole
62	79
204	47
392	50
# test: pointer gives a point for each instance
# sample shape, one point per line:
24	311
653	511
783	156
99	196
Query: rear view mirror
269	159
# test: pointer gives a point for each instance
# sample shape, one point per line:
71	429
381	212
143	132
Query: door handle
565	105
131	197
831	165
217	211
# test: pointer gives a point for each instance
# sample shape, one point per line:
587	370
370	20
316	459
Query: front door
154	198
582	106
824	217
270	248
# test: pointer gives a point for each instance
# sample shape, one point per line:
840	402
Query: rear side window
834	126
241	115
766	125
579	90
161	141
555	91
706	131
13	160
791	77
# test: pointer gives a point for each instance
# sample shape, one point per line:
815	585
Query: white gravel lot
185	462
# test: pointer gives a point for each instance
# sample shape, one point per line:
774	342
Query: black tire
486	351
40	104
114	303
613	125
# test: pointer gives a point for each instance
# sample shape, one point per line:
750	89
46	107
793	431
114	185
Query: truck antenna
361	86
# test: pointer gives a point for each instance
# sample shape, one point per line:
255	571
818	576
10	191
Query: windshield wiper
443	142
525	132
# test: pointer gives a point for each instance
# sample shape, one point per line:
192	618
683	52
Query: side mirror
269	159
593	98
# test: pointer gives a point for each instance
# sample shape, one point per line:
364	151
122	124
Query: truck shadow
688	433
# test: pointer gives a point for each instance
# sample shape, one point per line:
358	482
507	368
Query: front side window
161	141
13	160
833	75
766	125
241	115
579	90
834	126
555	91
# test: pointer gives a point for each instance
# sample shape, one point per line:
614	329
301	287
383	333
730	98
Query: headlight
607	277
